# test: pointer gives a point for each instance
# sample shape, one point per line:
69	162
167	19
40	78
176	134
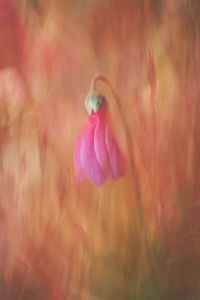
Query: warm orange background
139	237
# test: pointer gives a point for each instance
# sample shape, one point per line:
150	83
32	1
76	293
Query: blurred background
137	238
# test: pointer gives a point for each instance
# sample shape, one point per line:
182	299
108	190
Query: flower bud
94	102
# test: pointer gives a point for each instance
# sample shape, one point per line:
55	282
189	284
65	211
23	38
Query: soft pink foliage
97	153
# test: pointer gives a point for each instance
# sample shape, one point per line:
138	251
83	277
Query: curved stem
134	174
103	78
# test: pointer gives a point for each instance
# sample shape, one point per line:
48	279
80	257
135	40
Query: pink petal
116	156
88	158
100	143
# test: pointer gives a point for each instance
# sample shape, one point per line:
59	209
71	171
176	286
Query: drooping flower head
97	153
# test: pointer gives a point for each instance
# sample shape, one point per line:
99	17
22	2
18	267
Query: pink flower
97	154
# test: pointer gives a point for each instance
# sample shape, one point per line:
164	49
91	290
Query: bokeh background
137	238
